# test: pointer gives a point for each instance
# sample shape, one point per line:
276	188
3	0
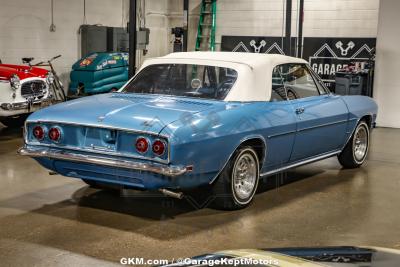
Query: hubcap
245	176
360	143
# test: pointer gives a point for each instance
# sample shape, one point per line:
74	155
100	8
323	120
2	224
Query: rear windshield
200	81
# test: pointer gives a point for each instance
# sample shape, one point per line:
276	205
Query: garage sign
326	55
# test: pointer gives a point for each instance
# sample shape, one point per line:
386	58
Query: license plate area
101	139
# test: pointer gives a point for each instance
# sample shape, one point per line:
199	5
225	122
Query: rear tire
237	184
356	150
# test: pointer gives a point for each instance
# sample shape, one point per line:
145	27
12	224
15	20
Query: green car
99	73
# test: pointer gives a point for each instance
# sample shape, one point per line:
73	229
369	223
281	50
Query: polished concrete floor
49	220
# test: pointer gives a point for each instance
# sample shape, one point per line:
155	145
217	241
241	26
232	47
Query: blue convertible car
203	118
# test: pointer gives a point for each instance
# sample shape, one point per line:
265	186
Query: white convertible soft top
254	82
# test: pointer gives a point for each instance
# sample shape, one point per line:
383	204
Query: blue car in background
215	119
99	73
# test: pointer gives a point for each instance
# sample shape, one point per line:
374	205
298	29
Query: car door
321	116
281	120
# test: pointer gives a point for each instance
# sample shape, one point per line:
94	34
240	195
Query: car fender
219	131
359	107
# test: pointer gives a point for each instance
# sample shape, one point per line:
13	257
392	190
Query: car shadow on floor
152	215
10	133
90	205
156	206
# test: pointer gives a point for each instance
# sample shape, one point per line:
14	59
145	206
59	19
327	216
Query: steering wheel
291	94
196	84
221	86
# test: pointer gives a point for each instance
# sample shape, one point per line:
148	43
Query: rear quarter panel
208	139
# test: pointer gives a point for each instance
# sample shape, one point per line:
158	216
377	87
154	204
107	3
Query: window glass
298	81
321	87
278	89
198	81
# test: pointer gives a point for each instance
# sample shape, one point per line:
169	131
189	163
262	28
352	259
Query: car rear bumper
130	164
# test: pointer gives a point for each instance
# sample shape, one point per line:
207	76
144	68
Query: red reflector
38	133
54	134
158	147
142	145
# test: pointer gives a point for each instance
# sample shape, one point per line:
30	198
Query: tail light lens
142	145
55	134
158	147
38	132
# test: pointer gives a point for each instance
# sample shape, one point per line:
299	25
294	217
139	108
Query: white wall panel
341	18
323	18
387	88
24	25
24	28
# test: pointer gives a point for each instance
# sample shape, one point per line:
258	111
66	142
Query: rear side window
298	81
278	88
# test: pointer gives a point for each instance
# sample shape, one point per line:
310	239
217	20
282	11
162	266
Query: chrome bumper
23	105
171	171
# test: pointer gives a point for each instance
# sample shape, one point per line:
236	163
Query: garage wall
157	18
24	28
323	18
333	18
387	89
24	25
341	18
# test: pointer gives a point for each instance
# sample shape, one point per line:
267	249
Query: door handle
300	110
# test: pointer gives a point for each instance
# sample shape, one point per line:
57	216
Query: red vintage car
23	90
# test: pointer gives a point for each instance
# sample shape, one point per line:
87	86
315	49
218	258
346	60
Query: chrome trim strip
303	162
171	171
240	143
201	59
322	125
280	134
101	126
112	153
308	128
109	152
352	132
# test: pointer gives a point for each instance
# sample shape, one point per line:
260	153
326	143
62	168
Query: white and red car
23	90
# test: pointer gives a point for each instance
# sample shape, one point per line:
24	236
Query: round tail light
158	147
142	145
38	132
55	134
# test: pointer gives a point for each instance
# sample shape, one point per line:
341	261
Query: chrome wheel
245	176
360	143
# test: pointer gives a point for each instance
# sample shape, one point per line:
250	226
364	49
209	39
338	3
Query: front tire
237	184
356	150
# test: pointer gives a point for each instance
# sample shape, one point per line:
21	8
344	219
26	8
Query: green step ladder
205	40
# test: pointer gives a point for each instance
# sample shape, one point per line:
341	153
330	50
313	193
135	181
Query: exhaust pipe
169	193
